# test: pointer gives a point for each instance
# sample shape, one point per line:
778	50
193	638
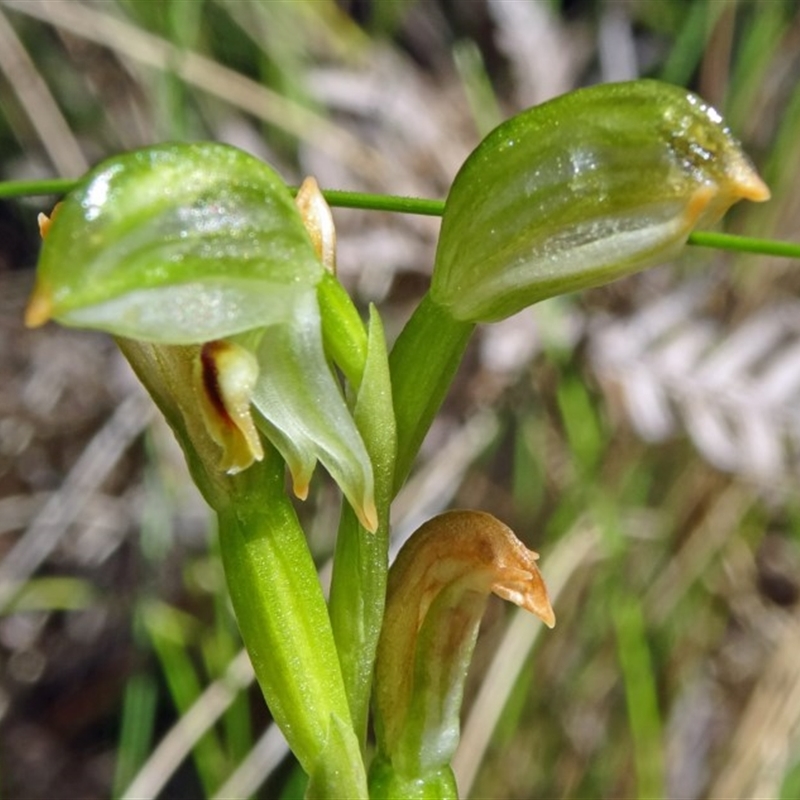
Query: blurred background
643	437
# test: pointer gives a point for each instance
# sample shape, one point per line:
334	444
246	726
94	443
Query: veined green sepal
581	190
175	243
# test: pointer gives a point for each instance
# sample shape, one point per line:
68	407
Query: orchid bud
438	587
581	190
203	245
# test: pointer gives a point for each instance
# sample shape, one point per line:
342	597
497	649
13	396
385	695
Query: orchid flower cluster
219	285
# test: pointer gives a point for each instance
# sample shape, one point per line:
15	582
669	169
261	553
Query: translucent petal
305	415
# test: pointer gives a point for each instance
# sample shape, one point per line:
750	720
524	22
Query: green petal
304	413
176	243
581	190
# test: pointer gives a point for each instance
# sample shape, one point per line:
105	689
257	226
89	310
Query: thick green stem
423	362
284	623
386	784
272	580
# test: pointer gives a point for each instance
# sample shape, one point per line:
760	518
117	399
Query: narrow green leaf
361	562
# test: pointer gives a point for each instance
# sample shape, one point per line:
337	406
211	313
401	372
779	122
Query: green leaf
581	190
361	561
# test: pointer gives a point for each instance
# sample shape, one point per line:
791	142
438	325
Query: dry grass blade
769	729
178	743
268	752
85	478
205	74
52	129
616	45
546	59
735	392
688	565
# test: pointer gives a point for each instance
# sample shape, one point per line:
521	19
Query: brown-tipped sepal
438	588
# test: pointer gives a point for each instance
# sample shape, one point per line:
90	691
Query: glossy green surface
177	243
581	190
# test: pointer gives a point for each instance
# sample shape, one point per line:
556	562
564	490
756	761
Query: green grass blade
136	732
640	692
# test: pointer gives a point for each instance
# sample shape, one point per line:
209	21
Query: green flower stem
429	207
423	361
335	197
745	244
423	206
360	565
36	188
284	623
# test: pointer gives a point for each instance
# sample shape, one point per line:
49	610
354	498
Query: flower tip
39	309
300	486
368	516
526	588
538	603
750	186
318	220
740	181
45	222
547	616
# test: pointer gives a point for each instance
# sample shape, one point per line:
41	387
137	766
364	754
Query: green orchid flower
437	592
202	246
581	190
